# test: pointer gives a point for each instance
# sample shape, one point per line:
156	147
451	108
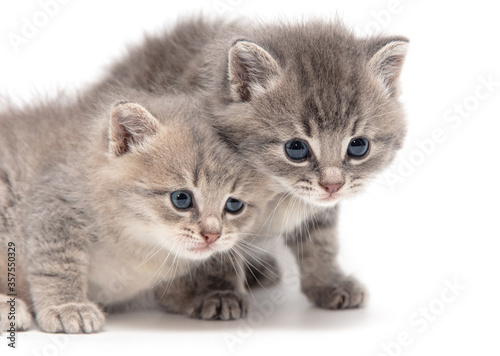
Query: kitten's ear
388	60
251	70
130	124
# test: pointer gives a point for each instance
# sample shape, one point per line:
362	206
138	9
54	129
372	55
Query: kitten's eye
358	147
233	205
297	150
181	199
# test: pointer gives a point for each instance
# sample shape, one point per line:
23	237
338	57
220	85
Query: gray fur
268	83
85	195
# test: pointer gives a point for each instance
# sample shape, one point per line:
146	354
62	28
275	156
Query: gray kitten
106	203
310	104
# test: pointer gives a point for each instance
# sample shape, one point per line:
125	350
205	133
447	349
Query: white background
432	220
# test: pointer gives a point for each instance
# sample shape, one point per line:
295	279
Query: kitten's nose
331	187
210	237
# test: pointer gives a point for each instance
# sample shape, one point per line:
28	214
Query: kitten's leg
15	308
57	275
322	280
212	291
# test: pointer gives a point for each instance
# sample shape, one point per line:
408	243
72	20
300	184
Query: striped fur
268	83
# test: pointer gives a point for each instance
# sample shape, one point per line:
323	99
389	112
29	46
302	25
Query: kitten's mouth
199	252
329	197
328	200
324	199
319	197
201	249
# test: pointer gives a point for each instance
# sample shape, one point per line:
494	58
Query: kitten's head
173	184
315	107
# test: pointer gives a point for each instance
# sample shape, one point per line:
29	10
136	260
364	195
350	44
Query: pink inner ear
123	138
239	76
119	136
392	68
249	63
130	124
388	62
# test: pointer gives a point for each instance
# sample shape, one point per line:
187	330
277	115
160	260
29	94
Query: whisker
262	262
243	277
248	264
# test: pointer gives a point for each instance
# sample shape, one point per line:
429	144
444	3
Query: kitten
106	204
310	104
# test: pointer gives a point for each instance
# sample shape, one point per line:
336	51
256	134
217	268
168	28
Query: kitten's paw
347	293
18	309
263	273
71	318
219	305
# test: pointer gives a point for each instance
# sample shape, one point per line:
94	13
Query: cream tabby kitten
106	204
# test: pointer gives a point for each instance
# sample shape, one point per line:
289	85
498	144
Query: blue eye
181	199
233	205
297	150
358	147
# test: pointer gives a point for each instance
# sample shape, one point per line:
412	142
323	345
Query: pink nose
210	237
331	188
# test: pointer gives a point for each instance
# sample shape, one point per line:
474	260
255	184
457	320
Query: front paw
219	305
71	318
18	309
346	293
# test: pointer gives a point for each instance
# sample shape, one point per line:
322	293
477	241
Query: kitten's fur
85	195
267	84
